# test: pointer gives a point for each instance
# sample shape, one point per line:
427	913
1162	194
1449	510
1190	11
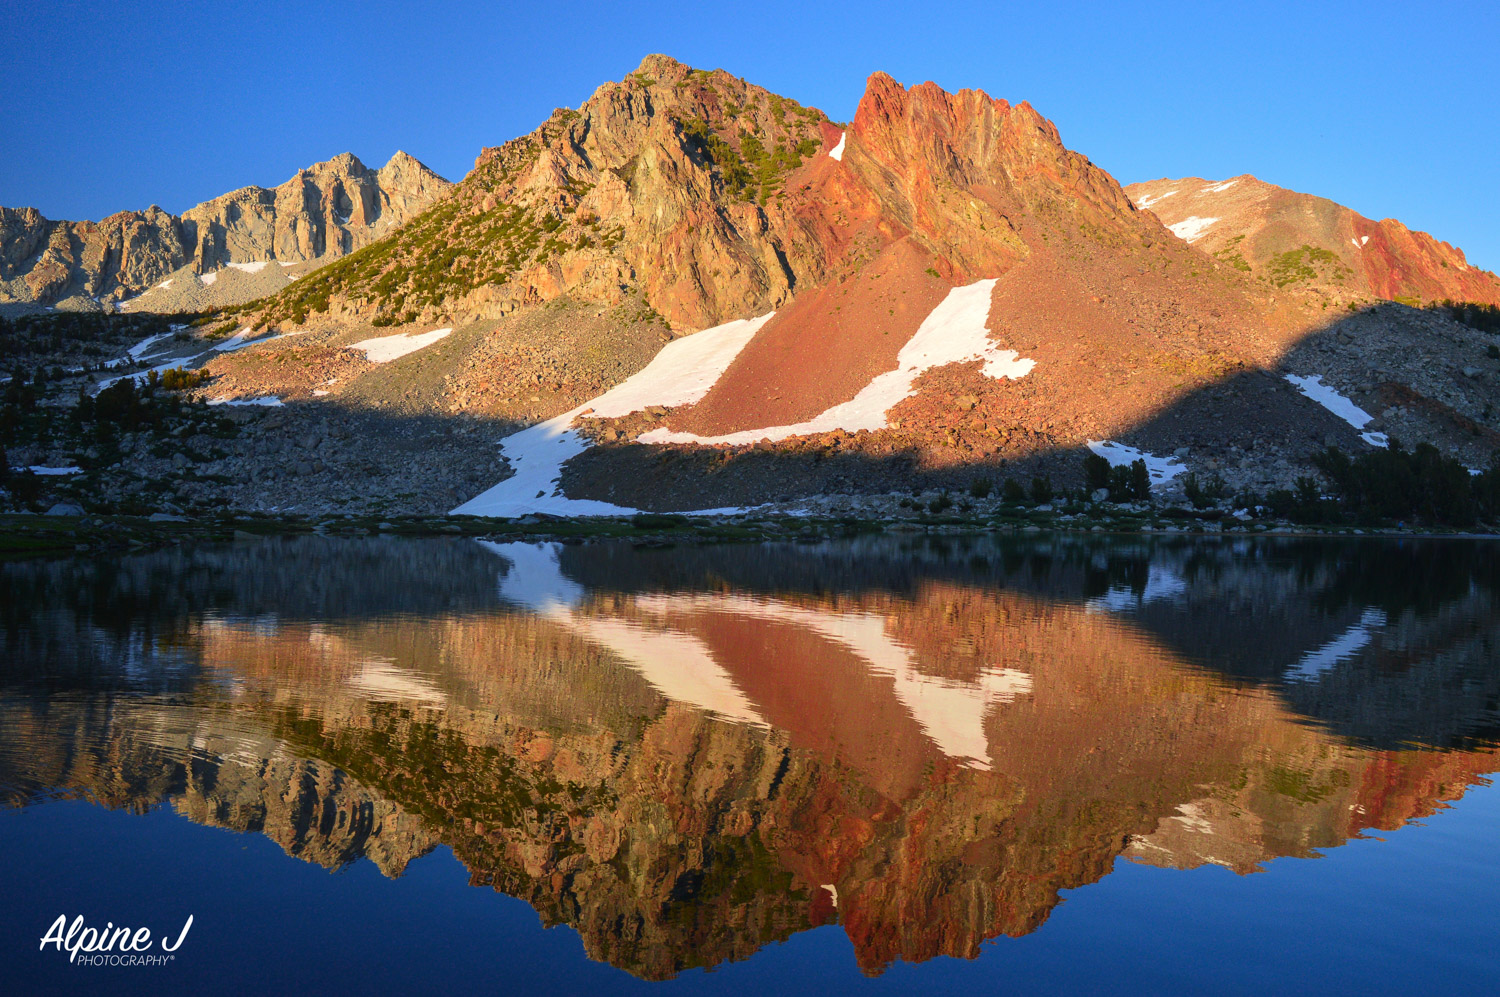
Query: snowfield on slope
267	401
681	373
1314	388
43	470
1191	229
837	152
384	349
953	333
684	371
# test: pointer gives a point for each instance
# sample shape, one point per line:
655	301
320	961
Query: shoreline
25	535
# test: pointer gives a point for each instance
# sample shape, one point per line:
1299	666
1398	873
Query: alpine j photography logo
112	945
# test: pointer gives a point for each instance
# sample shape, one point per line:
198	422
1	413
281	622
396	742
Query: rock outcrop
325	211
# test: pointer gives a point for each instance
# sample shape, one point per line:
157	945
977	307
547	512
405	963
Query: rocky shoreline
824	518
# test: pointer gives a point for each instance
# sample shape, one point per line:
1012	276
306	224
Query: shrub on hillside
1130	483
1041	490
1095	472
25	487
1203	493
1399	484
180	379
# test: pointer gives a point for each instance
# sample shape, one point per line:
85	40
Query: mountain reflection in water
686	754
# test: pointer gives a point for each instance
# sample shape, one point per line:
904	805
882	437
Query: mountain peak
657	64
1300	241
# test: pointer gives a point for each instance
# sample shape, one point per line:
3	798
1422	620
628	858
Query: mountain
325	211
1290	239
692	293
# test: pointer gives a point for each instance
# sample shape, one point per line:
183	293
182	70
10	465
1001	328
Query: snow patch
1220	186
953	333
140	377
384	349
238	340
1147	201
139	349
1160	469
1363	239
1314	388
320	392
165	284
1191	229
837	152
50	471
269	401
255	267
681	373
210	277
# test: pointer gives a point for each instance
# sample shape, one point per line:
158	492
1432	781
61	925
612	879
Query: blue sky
1388	108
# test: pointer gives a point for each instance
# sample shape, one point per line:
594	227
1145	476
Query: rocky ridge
324	212
1293	240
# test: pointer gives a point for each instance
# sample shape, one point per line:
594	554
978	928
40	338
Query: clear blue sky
1392	109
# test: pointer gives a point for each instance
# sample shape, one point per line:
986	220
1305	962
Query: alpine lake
907	763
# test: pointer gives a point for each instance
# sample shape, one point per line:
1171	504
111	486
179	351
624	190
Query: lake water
898	764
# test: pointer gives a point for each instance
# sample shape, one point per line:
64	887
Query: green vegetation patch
1305	264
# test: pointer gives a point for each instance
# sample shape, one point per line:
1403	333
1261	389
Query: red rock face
967	172
1400	263
1252	225
937	189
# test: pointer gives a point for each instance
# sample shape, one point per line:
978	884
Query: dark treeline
1485	318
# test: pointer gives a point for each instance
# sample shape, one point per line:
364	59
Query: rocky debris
311	459
186	290
325	211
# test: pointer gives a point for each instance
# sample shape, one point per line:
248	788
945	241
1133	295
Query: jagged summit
324	211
